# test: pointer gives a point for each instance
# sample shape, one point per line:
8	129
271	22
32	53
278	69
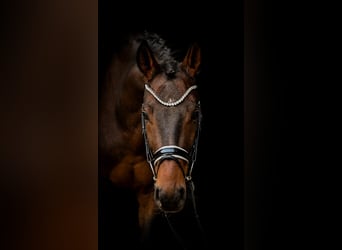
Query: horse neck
122	96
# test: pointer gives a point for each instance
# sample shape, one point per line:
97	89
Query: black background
218	172
291	124
268	96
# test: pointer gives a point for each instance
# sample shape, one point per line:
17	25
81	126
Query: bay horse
149	123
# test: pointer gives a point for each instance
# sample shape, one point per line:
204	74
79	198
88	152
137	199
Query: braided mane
163	54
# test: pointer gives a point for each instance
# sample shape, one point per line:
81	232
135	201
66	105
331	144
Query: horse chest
131	172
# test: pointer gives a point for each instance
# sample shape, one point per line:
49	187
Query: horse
149	124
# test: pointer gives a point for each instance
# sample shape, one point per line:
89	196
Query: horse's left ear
192	60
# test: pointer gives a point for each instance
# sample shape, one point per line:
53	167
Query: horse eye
145	115
195	115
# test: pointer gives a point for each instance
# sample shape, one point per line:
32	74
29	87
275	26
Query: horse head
171	116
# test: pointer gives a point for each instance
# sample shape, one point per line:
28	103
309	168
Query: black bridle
172	151
175	153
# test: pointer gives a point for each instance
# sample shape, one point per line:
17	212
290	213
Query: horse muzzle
170	186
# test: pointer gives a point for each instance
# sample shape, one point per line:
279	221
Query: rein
177	236
175	152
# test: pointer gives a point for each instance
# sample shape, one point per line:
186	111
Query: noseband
171	151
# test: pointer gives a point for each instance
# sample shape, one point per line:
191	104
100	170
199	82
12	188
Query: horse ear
192	60
146	61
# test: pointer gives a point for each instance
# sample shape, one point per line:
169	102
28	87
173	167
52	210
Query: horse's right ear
146	61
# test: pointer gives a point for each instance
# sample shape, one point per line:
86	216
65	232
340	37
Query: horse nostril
170	201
